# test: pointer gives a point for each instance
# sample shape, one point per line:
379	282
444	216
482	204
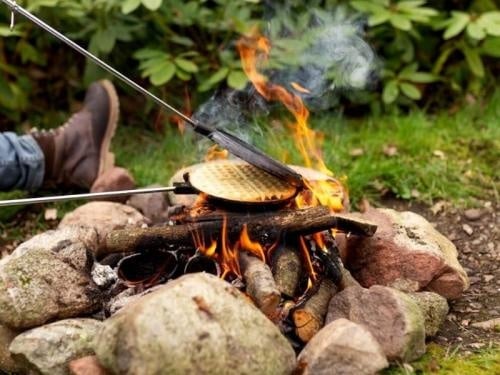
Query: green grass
440	361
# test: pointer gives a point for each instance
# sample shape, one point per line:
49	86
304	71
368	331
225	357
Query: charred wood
266	228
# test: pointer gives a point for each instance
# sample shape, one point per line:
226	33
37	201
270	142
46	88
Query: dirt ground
475	233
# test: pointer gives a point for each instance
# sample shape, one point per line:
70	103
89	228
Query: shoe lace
53	131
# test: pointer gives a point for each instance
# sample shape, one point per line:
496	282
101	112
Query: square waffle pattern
240	182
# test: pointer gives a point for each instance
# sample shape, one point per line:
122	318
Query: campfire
274	241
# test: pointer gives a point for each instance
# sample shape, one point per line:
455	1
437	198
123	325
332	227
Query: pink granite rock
392	317
115	179
407	253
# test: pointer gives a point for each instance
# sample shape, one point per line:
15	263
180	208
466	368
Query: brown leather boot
77	152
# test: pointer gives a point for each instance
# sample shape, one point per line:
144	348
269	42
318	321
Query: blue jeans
22	164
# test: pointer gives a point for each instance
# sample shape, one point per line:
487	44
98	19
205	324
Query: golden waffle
239	181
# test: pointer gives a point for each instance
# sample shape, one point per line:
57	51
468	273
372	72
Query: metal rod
16	8
72	197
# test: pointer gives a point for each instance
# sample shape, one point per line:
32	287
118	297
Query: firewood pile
273	256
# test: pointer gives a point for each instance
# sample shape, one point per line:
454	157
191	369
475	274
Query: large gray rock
434	310
48	277
7	363
49	349
391	316
407	253
197	324
103	217
342	347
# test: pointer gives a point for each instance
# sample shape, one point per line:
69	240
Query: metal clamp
13	7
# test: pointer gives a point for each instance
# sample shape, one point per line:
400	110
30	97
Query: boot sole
107	158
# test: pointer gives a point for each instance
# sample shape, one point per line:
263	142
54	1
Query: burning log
266	228
309	317
260	285
287	269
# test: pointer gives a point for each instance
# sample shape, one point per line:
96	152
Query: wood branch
265	228
348	280
309	318
260	285
287	268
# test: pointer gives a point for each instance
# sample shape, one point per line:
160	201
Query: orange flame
247	244
305	254
229	255
254	49
216	153
299	88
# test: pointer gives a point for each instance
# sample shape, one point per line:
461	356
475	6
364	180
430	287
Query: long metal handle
100	195
17	8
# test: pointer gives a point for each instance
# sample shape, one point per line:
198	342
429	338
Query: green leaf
391	92
457	24
473	60
400	22
147	53
410	90
366	6
182	40
490	21
475	31
105	40
491	47
5	31
421	77
128	6
409	69
219	75
152	4
186	65
237	80
410	4
164	75
153	66
214	79
182	75
378	18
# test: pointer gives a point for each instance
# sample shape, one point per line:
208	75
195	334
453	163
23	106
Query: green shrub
428	52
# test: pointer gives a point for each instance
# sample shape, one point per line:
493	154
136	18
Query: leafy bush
428	52
450	44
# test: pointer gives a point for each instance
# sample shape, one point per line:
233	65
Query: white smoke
325	53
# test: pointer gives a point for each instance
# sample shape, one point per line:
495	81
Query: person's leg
72	155
21	163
